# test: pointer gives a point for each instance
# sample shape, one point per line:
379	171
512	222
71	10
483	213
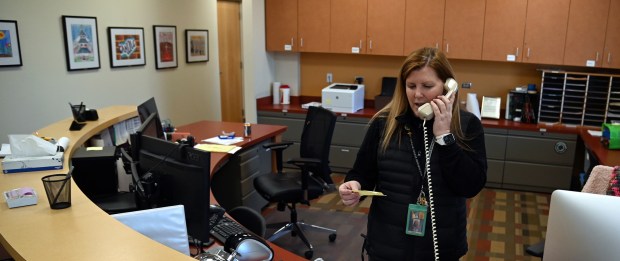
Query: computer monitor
582	226
146	109
183	176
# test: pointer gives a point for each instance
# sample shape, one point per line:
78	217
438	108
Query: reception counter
83	231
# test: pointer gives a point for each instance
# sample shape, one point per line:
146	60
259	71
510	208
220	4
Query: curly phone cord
430	193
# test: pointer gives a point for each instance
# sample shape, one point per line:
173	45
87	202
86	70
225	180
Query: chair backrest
165	225
316	139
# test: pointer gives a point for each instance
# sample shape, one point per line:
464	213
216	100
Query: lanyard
422	196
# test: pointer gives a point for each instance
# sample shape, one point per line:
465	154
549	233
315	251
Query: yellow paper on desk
215	147
369	193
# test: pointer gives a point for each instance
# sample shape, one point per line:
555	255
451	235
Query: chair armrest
277	145
305	162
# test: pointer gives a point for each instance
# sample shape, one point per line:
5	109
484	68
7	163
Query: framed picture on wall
10	52
197	45
165	46
81	42
126	46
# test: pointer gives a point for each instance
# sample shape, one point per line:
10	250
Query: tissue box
20	197
12	164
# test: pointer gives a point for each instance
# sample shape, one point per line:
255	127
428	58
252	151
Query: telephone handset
426	111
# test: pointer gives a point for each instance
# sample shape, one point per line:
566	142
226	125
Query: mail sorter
343	97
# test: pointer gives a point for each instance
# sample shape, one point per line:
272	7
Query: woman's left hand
442	108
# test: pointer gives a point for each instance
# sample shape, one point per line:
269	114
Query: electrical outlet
467	85
359	79
330	77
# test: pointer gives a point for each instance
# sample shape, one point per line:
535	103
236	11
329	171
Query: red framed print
165	46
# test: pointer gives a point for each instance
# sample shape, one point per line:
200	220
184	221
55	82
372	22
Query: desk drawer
495	171
342	156
537	175
541	150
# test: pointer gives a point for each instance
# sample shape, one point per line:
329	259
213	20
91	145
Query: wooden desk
605	156
83	231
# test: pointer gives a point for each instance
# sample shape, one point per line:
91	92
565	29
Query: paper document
5	150
369	193
217	140
218	148
595	133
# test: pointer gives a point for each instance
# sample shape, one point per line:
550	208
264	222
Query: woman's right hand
347	195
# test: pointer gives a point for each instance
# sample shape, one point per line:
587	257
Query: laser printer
343	97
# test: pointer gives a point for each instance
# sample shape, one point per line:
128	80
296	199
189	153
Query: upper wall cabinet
313	25
348	26
463	29
545	31
281	25
585	38
423	24
504	28
611	56
385	29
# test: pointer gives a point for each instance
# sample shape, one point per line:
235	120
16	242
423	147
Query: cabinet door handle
360	44
528	52
301	42
517	54
596	57
609	57
344	150
292	41
370	45
447	47
436	45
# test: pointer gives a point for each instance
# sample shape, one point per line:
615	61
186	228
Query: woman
392	160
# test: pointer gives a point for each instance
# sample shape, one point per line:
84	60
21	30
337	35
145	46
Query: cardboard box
12	164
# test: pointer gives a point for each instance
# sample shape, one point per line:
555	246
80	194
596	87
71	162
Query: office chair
290	188
121	202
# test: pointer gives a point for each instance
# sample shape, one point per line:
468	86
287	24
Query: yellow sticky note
369	193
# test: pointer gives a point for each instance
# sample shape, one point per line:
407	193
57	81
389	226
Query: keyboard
226	227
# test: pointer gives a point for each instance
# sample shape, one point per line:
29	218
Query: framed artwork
197	45
81	42
126	46
10	52
165	46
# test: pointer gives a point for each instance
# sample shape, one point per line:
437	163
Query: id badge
416	220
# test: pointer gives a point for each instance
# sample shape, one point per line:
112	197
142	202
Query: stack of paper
217	140
231	149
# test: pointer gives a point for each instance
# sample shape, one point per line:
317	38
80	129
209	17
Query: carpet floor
501	224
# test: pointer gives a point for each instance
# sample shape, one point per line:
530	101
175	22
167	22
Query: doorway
231	66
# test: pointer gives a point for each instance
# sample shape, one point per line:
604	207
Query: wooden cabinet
612	39
585	37
423	24
545	31
280	25
348	26
463	29
503	36
313	23
385	30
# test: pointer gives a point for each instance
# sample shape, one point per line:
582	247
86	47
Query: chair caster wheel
309	254
332	237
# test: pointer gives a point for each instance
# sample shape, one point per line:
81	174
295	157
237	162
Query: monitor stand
76	126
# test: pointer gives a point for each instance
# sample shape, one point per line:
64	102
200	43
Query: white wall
36	94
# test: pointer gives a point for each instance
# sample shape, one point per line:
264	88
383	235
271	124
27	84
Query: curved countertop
82	231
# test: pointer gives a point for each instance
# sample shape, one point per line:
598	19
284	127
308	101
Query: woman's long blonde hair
424	57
